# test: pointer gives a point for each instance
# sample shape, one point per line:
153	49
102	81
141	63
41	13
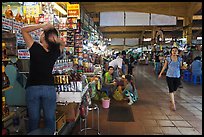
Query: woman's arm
27	29
164	67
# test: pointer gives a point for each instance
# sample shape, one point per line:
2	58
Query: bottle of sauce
5	79
5	109
8	12
4	55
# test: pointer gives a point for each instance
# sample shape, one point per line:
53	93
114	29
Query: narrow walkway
151	113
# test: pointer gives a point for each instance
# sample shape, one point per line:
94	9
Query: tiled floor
152	115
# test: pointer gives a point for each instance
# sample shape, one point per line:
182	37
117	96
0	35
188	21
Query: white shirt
116	62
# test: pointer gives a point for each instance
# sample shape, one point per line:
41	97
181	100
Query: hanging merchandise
18	16
9	12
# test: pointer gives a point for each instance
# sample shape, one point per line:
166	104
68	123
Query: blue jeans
124	69
37	97
157	68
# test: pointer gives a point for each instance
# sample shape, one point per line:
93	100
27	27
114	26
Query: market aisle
152	114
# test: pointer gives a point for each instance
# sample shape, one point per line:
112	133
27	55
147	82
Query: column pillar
153	40
187	30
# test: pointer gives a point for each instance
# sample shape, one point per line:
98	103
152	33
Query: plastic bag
118	95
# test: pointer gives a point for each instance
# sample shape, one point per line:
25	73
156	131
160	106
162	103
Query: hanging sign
73	10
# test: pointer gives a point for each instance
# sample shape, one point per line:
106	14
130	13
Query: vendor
130	91
109	84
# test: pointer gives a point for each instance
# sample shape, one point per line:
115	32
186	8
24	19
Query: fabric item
41	65
120	114
173	67
173	83
196	67
37	98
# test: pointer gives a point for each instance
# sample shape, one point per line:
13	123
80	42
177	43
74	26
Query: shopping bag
118	95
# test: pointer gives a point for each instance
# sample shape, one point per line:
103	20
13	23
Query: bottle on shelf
5	109
5	79
4	55
9	12
16	120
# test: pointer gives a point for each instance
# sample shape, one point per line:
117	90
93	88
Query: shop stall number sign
23	54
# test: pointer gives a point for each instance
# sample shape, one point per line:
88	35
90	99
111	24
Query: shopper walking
130	64
40	90
174	64
157	63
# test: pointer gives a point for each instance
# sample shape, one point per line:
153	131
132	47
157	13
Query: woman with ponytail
130	91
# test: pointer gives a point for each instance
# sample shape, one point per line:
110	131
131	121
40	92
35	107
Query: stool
90	108
187	76
195	80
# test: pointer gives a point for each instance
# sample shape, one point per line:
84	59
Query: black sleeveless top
41	65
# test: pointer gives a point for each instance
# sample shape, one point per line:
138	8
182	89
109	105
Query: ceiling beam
194	8
179	9
141	28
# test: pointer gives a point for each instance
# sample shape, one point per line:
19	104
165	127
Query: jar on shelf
75	59
80	61
85	63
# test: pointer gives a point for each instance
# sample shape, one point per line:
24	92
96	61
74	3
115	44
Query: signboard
23	54
73	10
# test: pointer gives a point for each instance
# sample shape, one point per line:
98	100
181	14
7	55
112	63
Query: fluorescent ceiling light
60	9
199	38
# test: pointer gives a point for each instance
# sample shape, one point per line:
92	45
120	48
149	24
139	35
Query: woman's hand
47	26
159	76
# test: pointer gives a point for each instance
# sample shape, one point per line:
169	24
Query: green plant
105	98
